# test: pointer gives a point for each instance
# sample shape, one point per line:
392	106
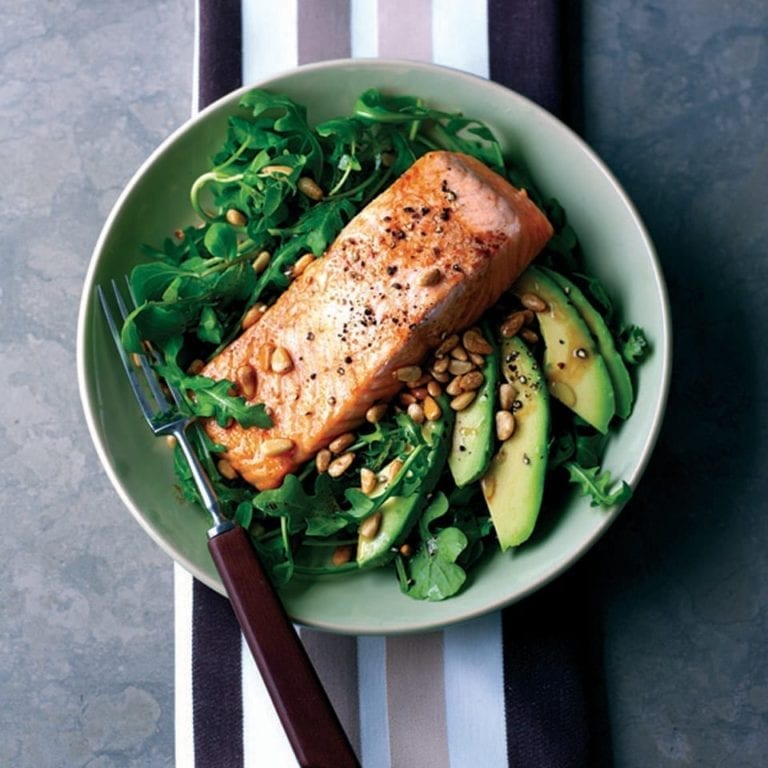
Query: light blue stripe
474	693
460	35
372	688
364	32
270	43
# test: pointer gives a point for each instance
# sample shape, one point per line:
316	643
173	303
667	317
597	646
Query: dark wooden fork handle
302	704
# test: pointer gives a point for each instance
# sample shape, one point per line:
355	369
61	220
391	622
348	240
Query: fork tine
147	408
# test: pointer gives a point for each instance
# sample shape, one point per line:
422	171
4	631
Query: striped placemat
513	688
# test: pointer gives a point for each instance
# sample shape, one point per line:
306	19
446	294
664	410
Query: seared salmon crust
425	259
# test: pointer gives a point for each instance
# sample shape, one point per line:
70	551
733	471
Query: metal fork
312	727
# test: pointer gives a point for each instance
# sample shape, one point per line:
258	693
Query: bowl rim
662	345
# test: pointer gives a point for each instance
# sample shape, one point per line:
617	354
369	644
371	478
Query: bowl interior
616	247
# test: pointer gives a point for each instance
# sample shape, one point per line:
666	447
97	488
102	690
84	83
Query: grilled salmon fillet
424	259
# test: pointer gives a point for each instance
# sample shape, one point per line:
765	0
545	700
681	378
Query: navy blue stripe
220	45
217	698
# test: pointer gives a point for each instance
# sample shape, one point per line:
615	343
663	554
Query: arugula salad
280	188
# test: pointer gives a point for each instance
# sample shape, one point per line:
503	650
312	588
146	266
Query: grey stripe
323	30
335	659
405	29
416	701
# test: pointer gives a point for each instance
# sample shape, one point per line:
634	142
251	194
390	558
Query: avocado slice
514	484
400	513
606	346
575	371
472	442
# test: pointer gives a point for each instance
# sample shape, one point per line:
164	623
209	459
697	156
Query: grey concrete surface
676	102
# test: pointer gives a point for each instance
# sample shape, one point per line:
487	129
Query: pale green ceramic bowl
617	248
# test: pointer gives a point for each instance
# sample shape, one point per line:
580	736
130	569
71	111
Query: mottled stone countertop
676	103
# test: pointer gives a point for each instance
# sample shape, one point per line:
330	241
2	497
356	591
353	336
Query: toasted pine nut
460	402
459	353
170	441
533	302
441	365
442	378
342	442
512	325
195	366
235	218
408	373
454	387
434	389
529	335
370	526
276	445
471	380
341	464
416	412
246	380
477	359
375	413
310	188
405	549
341	555
281	361
253	315
407	398
431	277
420	392
447	345
432	410
460	367
322	460
226	470
420	382
474	341
302	264
261	262
507	395
393	468
505	425
367	480
265	356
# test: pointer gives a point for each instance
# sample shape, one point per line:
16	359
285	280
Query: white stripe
182	655
364	32
270	42
196	61
264	739
460	35
474	693
374	719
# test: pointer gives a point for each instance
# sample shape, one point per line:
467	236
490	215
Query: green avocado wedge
617	370
574	369
473	432
398	514
513	487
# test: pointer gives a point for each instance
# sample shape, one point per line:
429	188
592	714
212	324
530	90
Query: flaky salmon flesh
423	260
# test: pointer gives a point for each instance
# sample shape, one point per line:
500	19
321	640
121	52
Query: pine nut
393	468
420	392
281	361
529	335
265	356
454	387
431	277
505	425
299	267
235	218
477	359
447	345
420	382
407	398
375	413
370	526
322	460
342	442
470	381
405	550
261	262
507	395
512	325
341	555
253	315
460	367
276	446
408	373
195	367
533	302
434	389
341	464
432	410
246	380
367	481
441	365
310	188
460	402
416	412
170	441
226	470
474	341
459	353
442	378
